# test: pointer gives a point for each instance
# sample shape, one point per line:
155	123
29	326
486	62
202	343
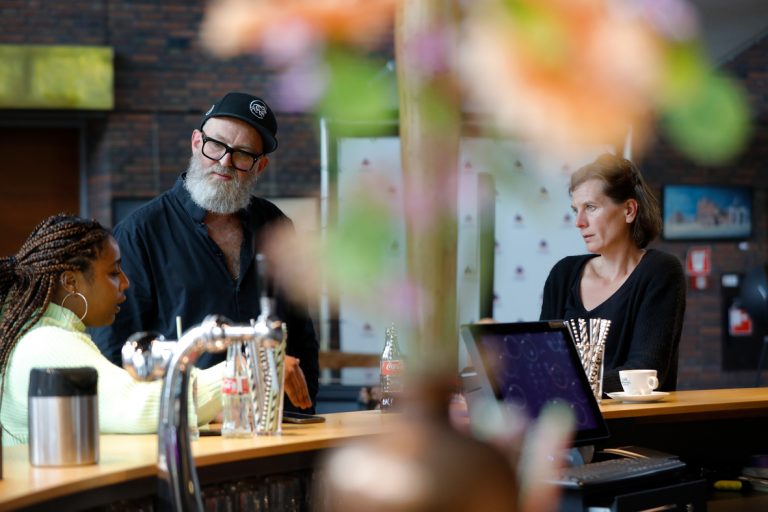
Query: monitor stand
580	455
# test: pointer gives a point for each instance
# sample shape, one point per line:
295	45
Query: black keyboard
619	470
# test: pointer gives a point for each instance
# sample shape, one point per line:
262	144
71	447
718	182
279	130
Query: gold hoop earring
80	295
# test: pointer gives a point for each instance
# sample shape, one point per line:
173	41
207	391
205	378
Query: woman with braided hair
66	277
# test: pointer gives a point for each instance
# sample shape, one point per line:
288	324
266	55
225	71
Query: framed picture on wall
706	212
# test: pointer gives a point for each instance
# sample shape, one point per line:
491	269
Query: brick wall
164	81
701	346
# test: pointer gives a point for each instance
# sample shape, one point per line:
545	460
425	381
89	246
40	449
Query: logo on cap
258	109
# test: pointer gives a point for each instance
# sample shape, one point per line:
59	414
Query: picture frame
707	212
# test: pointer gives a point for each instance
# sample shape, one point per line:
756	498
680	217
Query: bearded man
190	252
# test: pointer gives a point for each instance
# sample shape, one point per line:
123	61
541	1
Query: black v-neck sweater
646	314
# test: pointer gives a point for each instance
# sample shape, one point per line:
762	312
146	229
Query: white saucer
653	397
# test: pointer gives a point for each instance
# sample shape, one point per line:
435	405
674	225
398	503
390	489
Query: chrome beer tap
148	357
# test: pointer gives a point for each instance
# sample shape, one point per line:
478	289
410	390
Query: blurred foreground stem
430	129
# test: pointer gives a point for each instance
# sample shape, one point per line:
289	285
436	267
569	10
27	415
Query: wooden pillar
430	127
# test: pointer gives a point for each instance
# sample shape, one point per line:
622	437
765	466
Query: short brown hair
621	181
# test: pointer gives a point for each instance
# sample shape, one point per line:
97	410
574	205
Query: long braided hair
29	279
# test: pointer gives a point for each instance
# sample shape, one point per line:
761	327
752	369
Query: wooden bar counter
711	426
690	405
708	428
127	465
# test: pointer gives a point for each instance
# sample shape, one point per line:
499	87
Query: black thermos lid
63	381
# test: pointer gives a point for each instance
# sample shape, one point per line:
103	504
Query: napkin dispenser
63	416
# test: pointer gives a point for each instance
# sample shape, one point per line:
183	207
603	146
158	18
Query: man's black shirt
176	269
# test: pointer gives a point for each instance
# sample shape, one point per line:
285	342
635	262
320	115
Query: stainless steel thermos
63	416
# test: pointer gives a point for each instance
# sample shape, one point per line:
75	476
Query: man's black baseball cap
251	109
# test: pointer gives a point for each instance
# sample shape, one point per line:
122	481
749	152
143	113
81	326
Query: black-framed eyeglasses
241	160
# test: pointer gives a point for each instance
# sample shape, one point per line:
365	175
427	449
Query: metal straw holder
266	357
589	335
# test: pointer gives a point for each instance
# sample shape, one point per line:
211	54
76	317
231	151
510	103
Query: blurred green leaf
438	110
685	68
712	124
358	90
357	251
541	30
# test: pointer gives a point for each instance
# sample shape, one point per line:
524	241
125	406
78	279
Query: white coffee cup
638	382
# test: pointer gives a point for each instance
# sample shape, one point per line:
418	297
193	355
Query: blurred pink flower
675	19
294	262
430	52
562	71
404	298
301	85
283	29
427	203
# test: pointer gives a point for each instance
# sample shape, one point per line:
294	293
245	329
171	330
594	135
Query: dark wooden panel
40	176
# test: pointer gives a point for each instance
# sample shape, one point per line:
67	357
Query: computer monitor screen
528	365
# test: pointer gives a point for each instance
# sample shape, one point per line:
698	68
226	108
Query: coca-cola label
392	367
228	386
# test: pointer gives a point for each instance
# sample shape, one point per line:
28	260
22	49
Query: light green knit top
126	406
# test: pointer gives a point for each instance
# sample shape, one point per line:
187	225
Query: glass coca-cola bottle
392	368
235	395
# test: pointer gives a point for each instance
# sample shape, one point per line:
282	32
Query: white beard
223	197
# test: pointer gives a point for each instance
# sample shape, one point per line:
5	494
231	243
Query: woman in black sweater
642	291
